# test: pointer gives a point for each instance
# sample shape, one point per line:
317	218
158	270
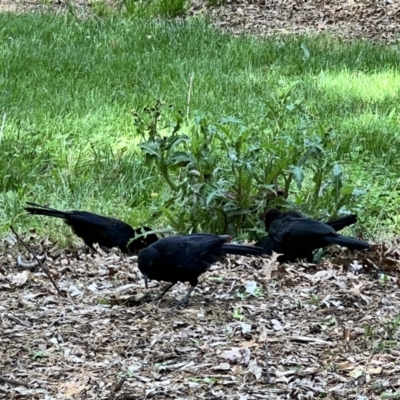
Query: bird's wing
191	252
201	237
294	228
292	213
108	232
87	217
97	221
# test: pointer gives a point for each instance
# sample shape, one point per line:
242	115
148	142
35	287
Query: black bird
184	258
296	237
337	224
93	228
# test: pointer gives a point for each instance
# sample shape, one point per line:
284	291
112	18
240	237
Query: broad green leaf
298	175
150	148
180	158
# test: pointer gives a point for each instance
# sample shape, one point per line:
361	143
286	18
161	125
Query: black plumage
342	222
93	228
296	237
337	224
184	258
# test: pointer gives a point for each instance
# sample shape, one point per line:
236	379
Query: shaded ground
317	331
372	19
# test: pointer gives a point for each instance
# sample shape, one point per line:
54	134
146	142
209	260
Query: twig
18	321
299	338
56	321
267	357
189	95
7	380
119	384
46	271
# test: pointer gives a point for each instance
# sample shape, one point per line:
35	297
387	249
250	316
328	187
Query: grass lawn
68	139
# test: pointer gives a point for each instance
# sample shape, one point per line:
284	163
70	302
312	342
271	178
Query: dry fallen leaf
251	287
237	355
276	325
321	276
357	291
345	366
20	278
255	369
270	265
74	291
222	367
375	371
356	373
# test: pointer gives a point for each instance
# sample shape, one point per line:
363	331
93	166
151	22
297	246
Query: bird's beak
145	281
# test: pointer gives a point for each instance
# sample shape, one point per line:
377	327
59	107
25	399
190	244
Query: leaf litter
378	21
259	331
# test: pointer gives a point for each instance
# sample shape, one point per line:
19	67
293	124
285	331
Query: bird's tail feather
241	249
266	244
43	210
350	243
342	222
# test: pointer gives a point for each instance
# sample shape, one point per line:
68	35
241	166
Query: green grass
67	88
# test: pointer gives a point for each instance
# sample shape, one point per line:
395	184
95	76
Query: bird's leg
165	291
185	300
90	250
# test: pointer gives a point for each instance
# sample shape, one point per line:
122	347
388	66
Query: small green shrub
222	175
